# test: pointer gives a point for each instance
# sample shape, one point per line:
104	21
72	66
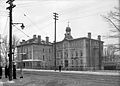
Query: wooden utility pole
119	27
100	58
55	17
10	2
0	50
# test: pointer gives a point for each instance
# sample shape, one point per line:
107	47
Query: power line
36	0
30	4
34	24
62	20
22	31
39	28
69	18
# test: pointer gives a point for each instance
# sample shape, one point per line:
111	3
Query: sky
37	15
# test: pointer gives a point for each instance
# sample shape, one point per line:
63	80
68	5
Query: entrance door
66	63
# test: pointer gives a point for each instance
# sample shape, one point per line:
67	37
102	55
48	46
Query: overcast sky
37	16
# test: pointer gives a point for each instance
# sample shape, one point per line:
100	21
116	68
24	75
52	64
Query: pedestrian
0	71
6	71
60	68
14	71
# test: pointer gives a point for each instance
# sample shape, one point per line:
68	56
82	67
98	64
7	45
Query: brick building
80	53
35	53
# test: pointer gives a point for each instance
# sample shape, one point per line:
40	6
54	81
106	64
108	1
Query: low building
111	61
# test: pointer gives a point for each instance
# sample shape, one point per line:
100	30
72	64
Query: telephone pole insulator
10	2
55	18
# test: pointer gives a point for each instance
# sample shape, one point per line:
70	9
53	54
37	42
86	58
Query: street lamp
22	25
14	66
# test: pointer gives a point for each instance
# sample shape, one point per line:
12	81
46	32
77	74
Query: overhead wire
50	23
33	23
70	18
39	28
22	31
61	21
28	4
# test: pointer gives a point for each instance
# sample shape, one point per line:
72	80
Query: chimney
23	41
47	40
89	35
99	37
34	36
39	39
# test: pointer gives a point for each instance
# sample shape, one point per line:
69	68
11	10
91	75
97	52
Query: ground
43	78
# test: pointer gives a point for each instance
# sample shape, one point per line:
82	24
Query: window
81	53
43	50
57	54
81	61
67	55
72	62
49	58
61	55
61	62
30	53
71	54
64	53
76	53
49	50
38	64
43	58
76	62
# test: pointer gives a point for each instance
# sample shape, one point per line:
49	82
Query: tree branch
111	22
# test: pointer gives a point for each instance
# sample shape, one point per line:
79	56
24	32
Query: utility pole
0	50
119	26
56	18
10	2
100	57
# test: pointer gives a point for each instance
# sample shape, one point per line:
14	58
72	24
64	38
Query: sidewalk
100	72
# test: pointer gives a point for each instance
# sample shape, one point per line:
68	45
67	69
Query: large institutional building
81	53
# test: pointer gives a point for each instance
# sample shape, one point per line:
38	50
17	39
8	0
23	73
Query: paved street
48	78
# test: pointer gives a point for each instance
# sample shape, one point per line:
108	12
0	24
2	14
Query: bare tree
110	52
15	42
113	18
5	46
